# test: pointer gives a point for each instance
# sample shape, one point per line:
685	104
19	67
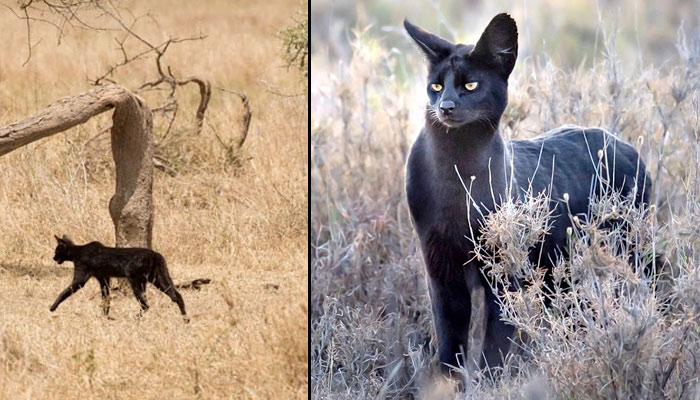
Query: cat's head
63	249
468	83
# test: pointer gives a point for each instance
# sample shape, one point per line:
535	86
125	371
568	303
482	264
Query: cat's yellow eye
471	85
436	87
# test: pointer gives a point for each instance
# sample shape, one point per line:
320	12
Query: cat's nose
447	107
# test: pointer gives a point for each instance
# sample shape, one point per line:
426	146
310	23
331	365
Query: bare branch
73	13
247	115
272	90
204	96
162	164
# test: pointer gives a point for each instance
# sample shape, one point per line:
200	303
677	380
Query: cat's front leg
451	304
79	280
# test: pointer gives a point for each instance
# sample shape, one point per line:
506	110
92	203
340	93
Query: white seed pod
472	178
576	220
600	153
569	231
566	197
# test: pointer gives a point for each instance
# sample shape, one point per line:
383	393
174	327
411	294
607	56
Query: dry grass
239	219
613	335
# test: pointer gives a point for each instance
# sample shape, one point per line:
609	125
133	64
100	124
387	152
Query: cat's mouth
451	121
459	119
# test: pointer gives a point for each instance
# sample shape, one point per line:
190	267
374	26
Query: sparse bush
295	44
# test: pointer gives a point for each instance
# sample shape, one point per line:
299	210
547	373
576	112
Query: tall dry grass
614	333
237	218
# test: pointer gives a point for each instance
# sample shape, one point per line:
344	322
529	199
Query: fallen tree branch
131	207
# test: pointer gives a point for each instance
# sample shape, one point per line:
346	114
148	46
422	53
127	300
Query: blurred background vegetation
568	31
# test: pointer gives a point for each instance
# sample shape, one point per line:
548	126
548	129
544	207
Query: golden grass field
240	220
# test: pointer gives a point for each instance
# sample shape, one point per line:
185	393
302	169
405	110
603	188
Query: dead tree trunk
131	207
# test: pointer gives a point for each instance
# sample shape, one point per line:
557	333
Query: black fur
465	136
137	265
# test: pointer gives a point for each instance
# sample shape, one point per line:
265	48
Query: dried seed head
640	140
569	231
600	153
678	93
472	178
652	208
576	220
566	197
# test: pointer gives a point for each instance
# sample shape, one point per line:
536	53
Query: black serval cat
467	94
138	265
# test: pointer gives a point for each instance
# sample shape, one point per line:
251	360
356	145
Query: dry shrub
604	329
607	331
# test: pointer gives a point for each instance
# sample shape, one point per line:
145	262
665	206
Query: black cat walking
138	265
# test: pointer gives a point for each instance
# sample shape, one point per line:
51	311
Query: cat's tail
195	284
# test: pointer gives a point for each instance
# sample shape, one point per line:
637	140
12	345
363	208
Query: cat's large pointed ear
66	239
434	47
498	45
58	239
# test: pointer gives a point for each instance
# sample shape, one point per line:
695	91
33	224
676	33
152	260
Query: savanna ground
616	333
237	217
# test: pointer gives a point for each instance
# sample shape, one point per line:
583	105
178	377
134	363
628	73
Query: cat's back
133	253
104	254
571	156
574	142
